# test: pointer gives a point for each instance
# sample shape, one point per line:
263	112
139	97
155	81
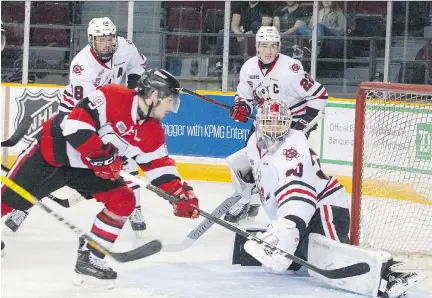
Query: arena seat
59	14
12	12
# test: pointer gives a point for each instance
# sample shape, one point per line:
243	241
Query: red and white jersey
288	179
87	72
285	80
108	115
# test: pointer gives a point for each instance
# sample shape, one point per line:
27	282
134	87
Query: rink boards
201	135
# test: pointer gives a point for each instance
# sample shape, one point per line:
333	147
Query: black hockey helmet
166	85
158	80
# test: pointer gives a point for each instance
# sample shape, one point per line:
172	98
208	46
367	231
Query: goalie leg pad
239	255
241	173
326	253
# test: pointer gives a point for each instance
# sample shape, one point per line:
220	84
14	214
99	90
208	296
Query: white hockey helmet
273	119
102	36
267	34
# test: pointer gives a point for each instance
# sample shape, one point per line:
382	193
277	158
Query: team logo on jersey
39	106
97	82
295	67
290	153
121	127
77	69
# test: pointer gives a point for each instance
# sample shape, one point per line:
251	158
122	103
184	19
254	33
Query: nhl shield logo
39	106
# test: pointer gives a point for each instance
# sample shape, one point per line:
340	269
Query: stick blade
22	129
345	272
143	251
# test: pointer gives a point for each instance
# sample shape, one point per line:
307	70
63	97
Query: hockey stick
208	99
66	203
202	227
344	272
19	133
140	252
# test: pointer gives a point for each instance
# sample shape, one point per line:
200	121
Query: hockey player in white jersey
107	58
271	74
308	212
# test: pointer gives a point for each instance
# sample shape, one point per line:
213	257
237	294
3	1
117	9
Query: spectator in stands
247	15
425	54
290	18
331	22
3	37
418	17
247	18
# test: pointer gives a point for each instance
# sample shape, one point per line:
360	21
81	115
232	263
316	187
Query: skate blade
8	232
90	282
412	282
139	234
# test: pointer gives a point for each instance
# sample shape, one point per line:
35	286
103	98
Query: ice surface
40	259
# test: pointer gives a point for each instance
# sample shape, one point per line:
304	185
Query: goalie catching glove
187	204
106	163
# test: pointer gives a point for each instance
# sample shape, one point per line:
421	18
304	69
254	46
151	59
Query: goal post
391	206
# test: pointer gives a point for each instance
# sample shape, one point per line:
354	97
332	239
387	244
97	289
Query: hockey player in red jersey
107	58
84	150
309	212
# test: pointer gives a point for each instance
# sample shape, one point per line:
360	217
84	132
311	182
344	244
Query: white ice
40	259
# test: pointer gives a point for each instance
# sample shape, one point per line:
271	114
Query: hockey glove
186	206
240	112
304	121
106	163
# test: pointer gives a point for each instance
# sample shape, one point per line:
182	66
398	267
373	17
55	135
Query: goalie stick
202	227
343	272
140	252
19	133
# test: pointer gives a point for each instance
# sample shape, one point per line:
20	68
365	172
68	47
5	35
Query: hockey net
392	171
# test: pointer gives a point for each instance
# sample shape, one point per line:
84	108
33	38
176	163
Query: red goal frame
358	144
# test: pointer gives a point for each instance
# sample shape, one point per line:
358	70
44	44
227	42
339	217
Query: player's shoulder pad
117	92
81	68
250	63
124	43
294	149
294	65
251	142
152	135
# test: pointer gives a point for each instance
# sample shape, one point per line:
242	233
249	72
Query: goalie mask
102	38
267	43
273	120
159	93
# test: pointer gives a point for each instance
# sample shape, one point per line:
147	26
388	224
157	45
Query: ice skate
237	212
15	220
92	271
137	222
398	283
